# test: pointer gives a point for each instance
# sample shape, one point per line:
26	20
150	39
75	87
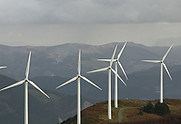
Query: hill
61	60
129	113
41	109
141	85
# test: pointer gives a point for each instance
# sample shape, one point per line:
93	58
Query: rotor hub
26	79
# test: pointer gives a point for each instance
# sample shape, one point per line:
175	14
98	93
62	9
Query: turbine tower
163	65
78	77
109	68
117	62
26	81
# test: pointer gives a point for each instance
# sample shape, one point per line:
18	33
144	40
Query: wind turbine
26	81
78	77
109	68
117	62
163	65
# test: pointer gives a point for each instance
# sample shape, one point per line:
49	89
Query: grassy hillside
130	113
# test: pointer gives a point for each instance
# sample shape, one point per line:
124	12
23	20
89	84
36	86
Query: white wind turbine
117	62
26	81
78	77
161	74
109	68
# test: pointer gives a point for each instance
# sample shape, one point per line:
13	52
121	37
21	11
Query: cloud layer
89	11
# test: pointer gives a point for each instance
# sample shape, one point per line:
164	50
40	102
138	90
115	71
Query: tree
161	108
149	108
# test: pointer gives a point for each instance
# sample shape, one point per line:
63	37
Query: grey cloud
89	11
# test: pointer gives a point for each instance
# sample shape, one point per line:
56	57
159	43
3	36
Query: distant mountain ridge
141	85
61	60
53	65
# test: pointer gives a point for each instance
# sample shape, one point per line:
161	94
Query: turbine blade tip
57	87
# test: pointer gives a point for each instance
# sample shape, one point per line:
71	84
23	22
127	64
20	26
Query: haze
47	22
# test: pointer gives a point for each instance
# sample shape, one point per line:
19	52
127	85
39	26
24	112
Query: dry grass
131	114
97	114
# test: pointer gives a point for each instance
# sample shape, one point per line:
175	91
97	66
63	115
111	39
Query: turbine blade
167	70
98	70
1	67
118	77
90	82
123	70
34	85
13	85
69	81
104	60
28	65
79	62
167	52
121	50
152	61
113	56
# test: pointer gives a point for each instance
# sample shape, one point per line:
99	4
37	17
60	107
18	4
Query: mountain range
61	60
53	65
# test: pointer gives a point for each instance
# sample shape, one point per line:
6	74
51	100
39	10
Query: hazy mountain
141	85
61	60
41	109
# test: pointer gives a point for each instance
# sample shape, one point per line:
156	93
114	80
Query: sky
54	22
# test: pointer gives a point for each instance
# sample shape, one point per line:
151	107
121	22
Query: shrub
149	108
140	113
161	108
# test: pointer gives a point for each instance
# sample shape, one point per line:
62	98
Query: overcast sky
52	22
